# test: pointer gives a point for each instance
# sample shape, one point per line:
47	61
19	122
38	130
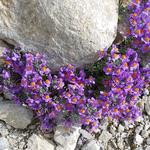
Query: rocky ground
18	131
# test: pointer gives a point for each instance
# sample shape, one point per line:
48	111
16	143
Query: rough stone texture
36	142
125	136
4	145
66	139
16	116
147	104
138	139
86	134
105	136
68	31
92	145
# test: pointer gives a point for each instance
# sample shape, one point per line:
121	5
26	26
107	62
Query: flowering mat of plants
110	88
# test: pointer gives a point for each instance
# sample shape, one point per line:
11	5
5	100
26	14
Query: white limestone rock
37	142
67	31
147	104
15	115
4	145
92	145
66	139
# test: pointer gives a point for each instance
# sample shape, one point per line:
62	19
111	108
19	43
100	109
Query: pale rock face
67	31
4	145
16	116
147	104
37	142
138	139
66	139
105	136
92	145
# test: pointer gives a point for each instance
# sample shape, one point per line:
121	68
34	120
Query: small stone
37	142
4	145
138	139
59	148
14	115
147	124
120	128
105	136
104	124
139	148
138	129
67	138
110	147
131	126
92	145
145	133
113	142
148	141
115	123
120	144
86	134
146	92
147	148
3	129
21	145
123	135
112	130
147	104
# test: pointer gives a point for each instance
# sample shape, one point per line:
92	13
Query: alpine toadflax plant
74	95
124	83
67	96
140	24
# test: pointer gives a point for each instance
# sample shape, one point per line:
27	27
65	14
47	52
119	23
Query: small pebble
148	141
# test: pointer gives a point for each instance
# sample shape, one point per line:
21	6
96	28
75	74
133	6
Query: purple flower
6	74
47	98
108	69
102	53
44	70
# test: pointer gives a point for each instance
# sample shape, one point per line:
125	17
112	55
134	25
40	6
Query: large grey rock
67	31
37	142
66	139
14	115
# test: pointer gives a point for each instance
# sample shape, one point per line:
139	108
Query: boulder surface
67	31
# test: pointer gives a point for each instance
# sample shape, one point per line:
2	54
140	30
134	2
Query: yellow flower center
44	68
115	110
74	99
87	120
32	84
123	56
47	81
83	110
108	70
47	96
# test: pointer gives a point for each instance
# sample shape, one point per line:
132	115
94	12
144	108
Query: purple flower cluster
73	96
67	97
124	83
56	99
140	24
